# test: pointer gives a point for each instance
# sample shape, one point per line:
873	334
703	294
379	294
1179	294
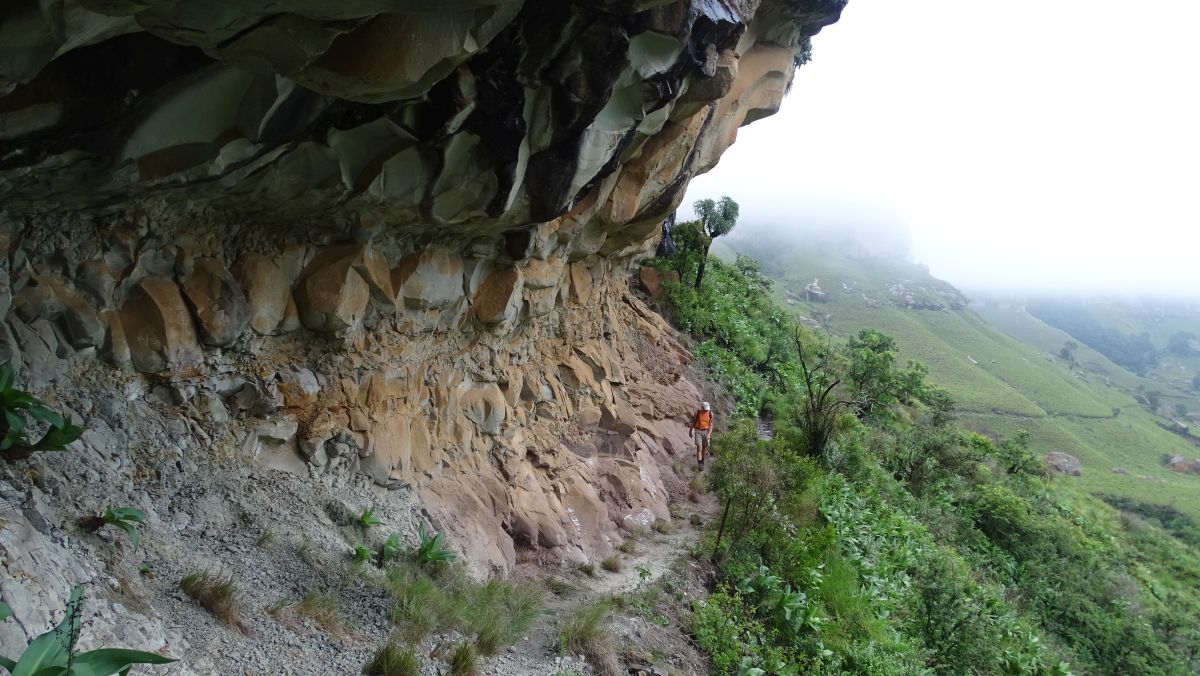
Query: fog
1021	145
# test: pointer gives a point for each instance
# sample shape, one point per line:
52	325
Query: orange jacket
703	420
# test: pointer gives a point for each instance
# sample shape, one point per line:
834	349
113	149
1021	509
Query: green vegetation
15	405
462	660
431	549
877	533
368	519
391	660
693	239
124	518
53	653
325	609
495	613
585	632
611	563
215	592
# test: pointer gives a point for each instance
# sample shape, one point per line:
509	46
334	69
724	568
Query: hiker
701	431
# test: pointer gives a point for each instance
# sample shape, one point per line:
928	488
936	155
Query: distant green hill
1001	364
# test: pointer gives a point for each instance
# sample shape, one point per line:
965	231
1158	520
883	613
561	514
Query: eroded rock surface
376	247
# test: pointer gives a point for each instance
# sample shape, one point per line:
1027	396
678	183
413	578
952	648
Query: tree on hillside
1068	351
819	406
1183	343
716	219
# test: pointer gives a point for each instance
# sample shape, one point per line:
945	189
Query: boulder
432	279
651	280
1063	463
1178	463
331	294
220	306
498	297
158	327
267	290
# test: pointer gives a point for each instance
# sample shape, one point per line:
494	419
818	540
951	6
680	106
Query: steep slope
1003	382
378	246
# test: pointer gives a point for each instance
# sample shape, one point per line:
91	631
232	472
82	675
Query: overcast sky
1024	143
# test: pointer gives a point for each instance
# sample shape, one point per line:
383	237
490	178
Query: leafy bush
15	404
53	652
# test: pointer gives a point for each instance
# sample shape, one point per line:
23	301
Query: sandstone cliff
379	245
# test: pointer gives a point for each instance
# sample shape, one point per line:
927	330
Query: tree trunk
721	530
703	261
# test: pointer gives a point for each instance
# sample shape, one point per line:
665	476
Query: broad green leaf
52	648
109	661
16	423
17	399
6	376
5	611
47	416
7	664
129	530
127	514
57	438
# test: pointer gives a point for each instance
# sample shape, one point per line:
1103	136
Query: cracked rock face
378	241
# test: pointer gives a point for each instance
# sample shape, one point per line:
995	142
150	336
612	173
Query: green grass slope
1001	365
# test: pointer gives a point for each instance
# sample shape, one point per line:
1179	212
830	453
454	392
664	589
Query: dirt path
647	624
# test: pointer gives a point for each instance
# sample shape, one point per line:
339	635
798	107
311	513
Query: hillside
1001	365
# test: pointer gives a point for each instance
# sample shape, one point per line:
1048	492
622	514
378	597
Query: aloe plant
391	548
15	405
431	549
125	518
53	653
368	518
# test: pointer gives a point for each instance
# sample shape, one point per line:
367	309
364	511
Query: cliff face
372	243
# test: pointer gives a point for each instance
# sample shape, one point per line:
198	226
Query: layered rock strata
377	242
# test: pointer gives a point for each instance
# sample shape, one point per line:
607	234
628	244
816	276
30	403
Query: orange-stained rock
651	280
432	279
159	328
499	295
267	289
331	294
221	308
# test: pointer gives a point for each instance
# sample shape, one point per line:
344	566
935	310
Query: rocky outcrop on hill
1063	463
380	245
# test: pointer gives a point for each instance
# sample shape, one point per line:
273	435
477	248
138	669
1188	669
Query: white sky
1025	144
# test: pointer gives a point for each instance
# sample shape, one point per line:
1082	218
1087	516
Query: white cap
705	406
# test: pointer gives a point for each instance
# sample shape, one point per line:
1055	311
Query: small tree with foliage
716	219
819	406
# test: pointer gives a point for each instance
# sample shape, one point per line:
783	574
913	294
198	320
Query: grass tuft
586	633
462	660
265	539
215	592
612	564
391	660
588	569
325	609
629	546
